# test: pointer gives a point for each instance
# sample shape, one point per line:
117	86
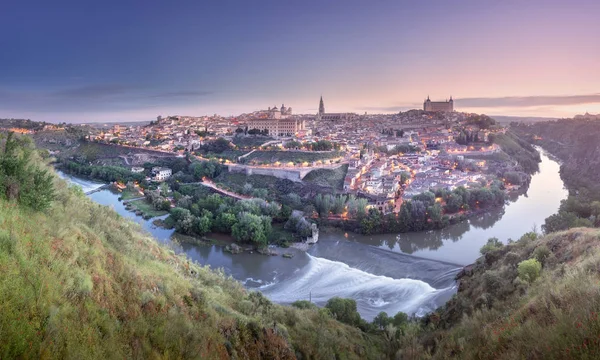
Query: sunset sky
80	61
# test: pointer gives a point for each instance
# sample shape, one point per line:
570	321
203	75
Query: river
412	272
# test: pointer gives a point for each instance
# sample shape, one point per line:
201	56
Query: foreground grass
146	208
495	315
80	281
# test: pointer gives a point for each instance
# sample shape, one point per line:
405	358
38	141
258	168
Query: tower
321	106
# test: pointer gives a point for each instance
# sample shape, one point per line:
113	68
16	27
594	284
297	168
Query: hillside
576	143
79	281
498	314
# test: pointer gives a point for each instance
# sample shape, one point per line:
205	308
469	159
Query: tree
20	178
529	270
224	222
404	177
400	319
382	320
344	310
182	220
454	203
250	228
372	222
202	225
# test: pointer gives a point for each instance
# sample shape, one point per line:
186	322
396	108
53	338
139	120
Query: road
212	185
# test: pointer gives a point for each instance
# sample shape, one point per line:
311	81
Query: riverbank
386	272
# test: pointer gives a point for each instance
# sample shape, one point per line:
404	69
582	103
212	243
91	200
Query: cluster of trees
211	169
426	211
345	310
581	209
158	199
215	146
337	204
393	132
264	132
105	173
482	121
462	199
399	149
466	137
293	144
21	179
321	145
248	221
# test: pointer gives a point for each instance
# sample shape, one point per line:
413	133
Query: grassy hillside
499	315
328	177
79	281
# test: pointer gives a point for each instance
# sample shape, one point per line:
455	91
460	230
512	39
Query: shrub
492	244
529	270
541	254
304	304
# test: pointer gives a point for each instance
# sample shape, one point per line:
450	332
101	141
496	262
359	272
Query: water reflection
460	243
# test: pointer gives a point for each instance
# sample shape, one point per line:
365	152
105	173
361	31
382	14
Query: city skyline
78	62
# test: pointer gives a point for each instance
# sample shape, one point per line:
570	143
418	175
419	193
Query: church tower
321	106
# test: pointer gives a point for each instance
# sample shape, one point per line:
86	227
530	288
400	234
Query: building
161	174
321	106
587	116
276	113
323	116
442	106
278	127
137	170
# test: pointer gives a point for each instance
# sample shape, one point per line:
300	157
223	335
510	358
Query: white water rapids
322	279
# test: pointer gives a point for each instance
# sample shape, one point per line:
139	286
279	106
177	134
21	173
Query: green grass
328	177
249	142
146	208
126	194
81	282
269	157
496	315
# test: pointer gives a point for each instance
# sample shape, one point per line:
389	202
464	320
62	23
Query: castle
442	106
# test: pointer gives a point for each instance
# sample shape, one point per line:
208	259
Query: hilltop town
385	159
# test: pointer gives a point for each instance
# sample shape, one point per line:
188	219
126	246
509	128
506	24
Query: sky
84	61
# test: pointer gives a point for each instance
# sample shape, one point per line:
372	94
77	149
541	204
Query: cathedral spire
321	106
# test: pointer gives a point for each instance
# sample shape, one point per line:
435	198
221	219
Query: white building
161	174
137	170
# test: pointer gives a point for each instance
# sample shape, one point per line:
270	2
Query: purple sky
122	61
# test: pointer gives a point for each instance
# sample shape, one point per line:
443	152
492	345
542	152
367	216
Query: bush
304	304
529	270
541	253
492	244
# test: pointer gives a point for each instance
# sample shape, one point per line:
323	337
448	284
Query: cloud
389	109
499	102
93	91
182	94
527	101
96	98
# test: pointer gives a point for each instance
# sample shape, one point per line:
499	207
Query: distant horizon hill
506	119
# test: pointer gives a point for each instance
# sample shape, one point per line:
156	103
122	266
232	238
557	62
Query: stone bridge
290	173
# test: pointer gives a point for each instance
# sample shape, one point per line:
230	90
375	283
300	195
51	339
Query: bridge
290	173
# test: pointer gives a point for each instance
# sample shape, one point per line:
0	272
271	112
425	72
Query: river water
412	272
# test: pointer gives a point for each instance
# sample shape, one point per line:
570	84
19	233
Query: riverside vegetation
79	281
